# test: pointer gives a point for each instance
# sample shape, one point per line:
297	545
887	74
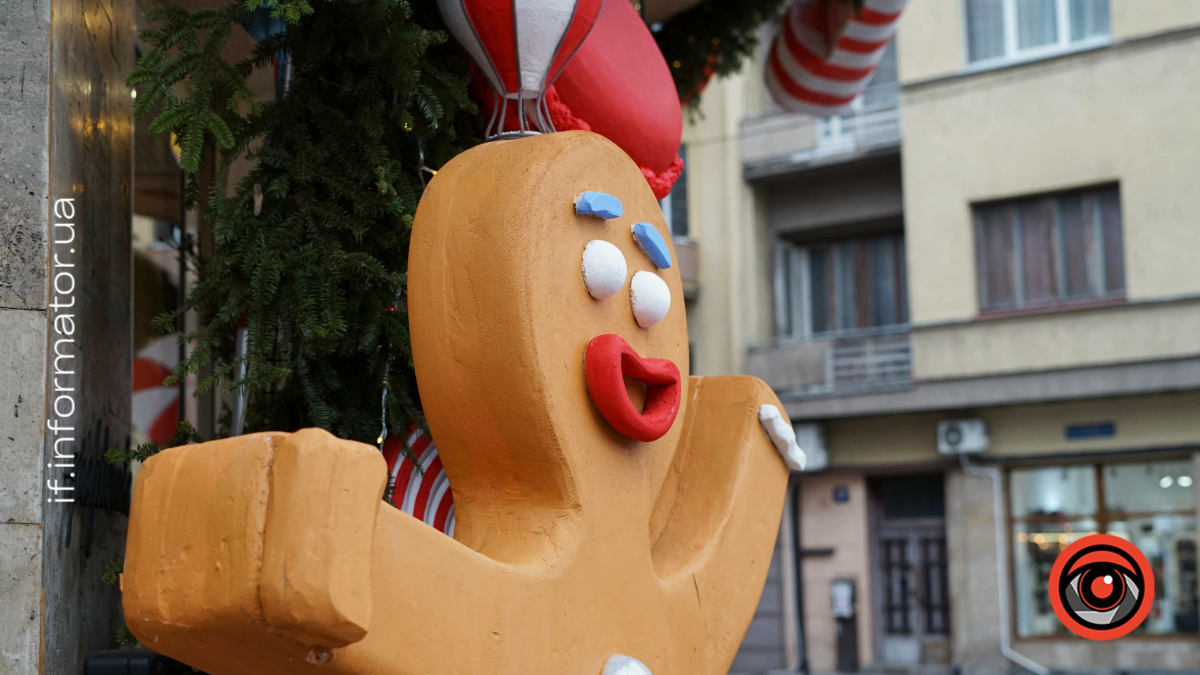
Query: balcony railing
845	362
774	142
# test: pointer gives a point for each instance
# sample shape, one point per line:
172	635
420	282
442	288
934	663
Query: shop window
1000	31
1151	504
1050	250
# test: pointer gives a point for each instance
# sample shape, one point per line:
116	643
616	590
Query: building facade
993	251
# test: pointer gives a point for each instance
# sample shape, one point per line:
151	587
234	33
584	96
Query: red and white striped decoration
155	407
826	52
424	494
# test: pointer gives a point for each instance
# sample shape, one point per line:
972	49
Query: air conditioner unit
811	439
961	436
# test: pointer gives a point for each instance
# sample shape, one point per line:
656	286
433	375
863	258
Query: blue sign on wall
841	494
1078	432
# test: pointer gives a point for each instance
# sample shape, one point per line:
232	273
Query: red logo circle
1101	587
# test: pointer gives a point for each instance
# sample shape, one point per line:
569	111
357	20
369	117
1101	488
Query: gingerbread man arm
266	553
714	524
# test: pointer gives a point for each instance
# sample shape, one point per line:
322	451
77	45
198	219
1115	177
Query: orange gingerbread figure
613	514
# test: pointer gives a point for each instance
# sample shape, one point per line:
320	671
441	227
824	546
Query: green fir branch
315	276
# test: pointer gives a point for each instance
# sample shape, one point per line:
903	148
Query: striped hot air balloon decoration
826	52
521	46
423	494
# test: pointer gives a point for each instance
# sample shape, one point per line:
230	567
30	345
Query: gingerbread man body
273	553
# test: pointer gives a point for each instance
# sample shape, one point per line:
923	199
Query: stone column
65	139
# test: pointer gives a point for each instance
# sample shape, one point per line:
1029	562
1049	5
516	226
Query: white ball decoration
619	664
650	298
604	269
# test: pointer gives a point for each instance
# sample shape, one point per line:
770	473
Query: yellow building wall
1119	334
931	40
727	220
1125	114
844	528
882	441
1161	421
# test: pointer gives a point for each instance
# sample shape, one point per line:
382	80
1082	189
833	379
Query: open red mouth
607	361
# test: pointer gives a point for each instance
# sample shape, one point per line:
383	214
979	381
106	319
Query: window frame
794	302
1106	298
668	206
1102	516
1013	54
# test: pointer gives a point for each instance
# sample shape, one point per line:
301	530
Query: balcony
775	142
842	363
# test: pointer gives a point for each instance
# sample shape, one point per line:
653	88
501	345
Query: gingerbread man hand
609	509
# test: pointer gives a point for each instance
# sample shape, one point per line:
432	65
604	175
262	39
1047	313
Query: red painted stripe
400	486
392	446
873	17
443	510
802	93
860	47
496	27
163	429
431	473
148	374
420	444
582	21
818	66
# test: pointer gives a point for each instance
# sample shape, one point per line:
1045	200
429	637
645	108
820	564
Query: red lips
607	361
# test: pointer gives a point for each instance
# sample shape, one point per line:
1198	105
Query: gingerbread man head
546	393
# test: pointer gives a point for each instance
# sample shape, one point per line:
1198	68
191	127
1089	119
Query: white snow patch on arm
783	436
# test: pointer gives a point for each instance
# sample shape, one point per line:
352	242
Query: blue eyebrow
599	204
652	244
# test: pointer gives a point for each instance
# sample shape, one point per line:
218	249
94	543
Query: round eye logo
1101	587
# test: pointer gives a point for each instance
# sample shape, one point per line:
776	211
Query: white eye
603	269
650	298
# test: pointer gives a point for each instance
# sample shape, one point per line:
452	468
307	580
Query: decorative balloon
521	46
619	86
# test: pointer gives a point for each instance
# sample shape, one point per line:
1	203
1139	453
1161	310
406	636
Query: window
674	205
1007	30
1050	250
1149	504
842	286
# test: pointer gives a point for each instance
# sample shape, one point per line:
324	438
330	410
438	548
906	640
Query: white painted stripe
540	27
868	33
150	404
450	521
163	351
440	487
795	105
848	59
414	481
455	16
798	74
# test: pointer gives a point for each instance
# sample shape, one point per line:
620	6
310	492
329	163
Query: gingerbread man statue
612	514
